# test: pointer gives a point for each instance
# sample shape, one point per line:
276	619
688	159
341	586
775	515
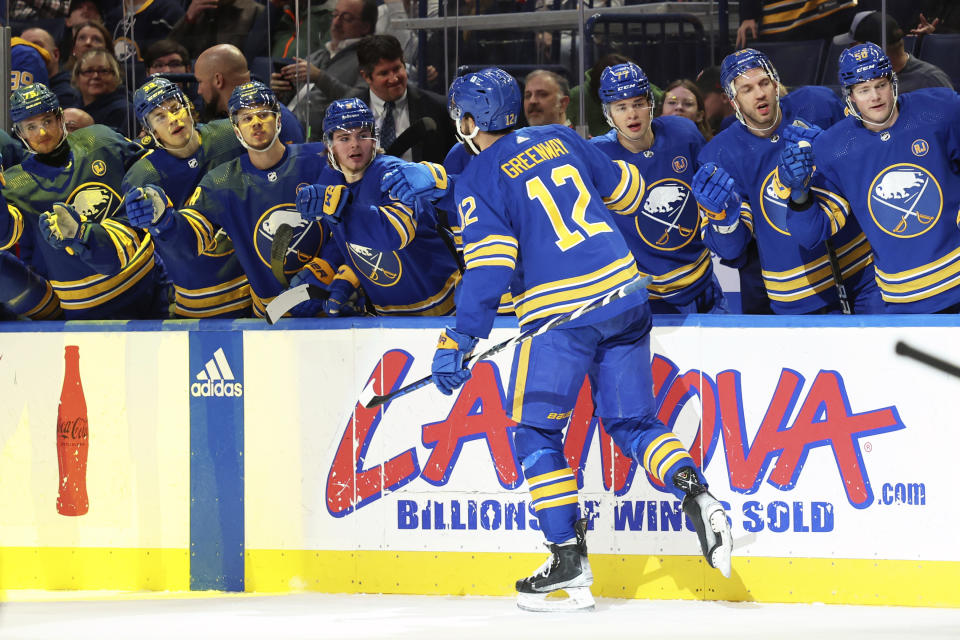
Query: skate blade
580	599
720	558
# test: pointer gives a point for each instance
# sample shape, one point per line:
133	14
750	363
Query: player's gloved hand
793	133
148	208
448	369
326	201
62	227
338	304
308	308
718	199
795	168
410	181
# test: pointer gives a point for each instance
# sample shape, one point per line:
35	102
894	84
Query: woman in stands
683	98
97	77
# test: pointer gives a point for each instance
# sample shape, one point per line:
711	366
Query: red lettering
477	413
349	485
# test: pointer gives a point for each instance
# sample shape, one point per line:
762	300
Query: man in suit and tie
397	105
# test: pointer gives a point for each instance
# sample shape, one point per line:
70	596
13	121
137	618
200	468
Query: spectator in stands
912	73
593	116
332	71
683	98
222	68
546	96
28	64
74	119
82	11
210	22
136	24
97	77
59	78
290	38
716	105
89	35
770	21
396	105
166	56
38	9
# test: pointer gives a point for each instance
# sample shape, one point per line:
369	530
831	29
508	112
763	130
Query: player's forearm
807	222
729	245
478	297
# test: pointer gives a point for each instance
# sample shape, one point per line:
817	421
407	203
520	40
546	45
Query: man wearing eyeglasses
251	197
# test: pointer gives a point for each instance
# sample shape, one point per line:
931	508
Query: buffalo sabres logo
95	200
773	202
668	219
301	186
905	200
381	268
680	164
304	245
99	167
920	147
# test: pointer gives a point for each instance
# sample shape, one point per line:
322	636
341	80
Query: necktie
388	130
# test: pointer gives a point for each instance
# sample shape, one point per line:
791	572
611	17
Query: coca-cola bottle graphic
72	439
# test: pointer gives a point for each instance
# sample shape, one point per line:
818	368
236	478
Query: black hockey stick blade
903	349
290	298
411	136
370	400
278	251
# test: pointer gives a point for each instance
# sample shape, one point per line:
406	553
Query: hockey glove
148	208
411	181
338	304
63	228
715	193
308	308
793	133
448	369
318	201
795	168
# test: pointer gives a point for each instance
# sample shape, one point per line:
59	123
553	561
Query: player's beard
210	111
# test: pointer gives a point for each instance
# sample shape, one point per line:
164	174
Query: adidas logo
215	381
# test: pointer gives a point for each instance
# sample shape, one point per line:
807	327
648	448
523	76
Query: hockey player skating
664	234
211	284
64	199
740	193
251	198
392	251
535	207
901	181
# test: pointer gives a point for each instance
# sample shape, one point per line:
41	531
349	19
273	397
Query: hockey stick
279	306
411	136
278	252
369	400
838	277
903	349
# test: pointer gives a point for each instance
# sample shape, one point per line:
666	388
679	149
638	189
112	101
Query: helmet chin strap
276	134
856	112
610	121
332	158
776	120
156	138
63	135
467	139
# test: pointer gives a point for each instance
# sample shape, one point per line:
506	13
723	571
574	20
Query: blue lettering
751	511
455	522
513	514
822	516
628	515
486	521
778	516
438	522
591	510
425	516
798	525
472	515
406	514
671	516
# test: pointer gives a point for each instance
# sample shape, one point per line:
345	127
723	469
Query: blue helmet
251	94
491	96
861	63
623	81
32	100
349	113
738	63
153	93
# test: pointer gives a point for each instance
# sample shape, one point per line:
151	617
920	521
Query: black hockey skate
708	518
567	569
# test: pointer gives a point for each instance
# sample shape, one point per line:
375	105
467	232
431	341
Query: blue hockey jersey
903	187
797	279
394	253
664	235
250	204
116	278
535	209
211	284
23	293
